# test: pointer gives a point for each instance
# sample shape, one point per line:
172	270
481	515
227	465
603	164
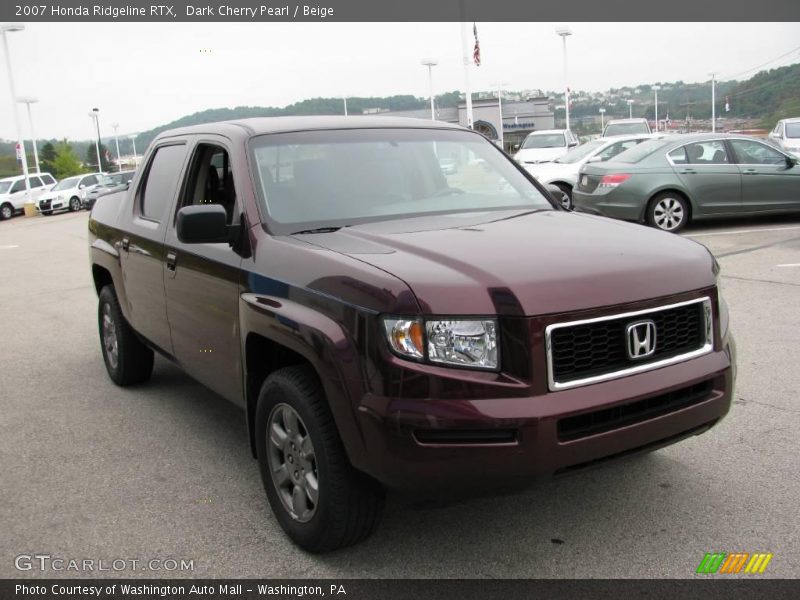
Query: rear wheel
128	360
668	211
319	499
74	204
566	198
6	211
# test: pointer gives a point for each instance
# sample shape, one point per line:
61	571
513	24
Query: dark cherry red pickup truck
395	304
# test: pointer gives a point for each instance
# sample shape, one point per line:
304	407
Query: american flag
476	53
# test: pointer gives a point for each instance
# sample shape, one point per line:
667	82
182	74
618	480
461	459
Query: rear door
142	254
769	183
202	280
707	171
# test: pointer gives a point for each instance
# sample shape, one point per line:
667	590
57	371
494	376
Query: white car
68	194
544	146
786	135
563	172
626	127
12	192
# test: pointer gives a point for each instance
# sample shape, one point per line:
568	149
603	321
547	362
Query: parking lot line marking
789	265
735	231
9	247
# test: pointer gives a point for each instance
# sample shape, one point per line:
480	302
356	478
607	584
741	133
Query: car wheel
668	211
47	213
319	499
566	198
6	211
74	204
128	361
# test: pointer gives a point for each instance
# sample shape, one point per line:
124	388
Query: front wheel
74	204
319	499
566	196
128	361
668	211
6	212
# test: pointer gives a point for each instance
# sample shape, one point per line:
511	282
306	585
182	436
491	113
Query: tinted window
162	180
707	153
18	186
48	179
90	180
793	130
754	153
36	182
211	179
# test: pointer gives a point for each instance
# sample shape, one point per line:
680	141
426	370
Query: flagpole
466	54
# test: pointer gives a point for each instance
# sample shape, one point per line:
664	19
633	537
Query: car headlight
470	342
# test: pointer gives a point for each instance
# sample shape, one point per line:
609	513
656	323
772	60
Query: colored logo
735	562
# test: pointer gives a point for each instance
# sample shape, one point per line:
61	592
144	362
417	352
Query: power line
728	77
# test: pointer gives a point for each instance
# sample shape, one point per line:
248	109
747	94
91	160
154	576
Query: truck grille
608	419
45	204
582	352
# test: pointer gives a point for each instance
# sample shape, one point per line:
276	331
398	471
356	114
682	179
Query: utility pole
713	102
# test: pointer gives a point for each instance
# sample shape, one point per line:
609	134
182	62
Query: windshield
544	140
793	130
640	151
334	178
5	186
626	128
65	184
580	152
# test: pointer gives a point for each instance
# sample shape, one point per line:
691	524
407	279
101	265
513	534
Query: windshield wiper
317	230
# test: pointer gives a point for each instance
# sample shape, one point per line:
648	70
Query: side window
36	182
18	186
615	149
48	179
88	181
210	179
157	190
707	153
755	153
678	156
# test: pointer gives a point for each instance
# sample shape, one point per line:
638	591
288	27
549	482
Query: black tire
134	360
566	199
668	211
349	504
6	211
47	213
74	204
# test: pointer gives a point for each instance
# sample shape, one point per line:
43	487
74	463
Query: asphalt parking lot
163	471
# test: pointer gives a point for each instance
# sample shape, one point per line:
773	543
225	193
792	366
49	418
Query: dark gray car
669	182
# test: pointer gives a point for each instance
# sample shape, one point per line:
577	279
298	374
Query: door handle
688	172
172	259
750	172
126	243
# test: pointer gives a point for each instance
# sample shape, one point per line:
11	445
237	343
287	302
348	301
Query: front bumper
51	204
423	446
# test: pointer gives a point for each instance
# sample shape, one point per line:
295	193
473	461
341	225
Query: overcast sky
145	75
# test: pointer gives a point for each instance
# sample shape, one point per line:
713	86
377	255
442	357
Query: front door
769	182
708	173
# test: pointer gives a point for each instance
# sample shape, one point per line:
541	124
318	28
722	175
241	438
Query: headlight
460	342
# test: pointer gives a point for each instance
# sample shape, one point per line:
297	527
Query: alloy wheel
110	343
292	463
6	212
668	214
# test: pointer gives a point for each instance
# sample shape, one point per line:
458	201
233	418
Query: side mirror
595	159
791	161
81	186
203	224
573	144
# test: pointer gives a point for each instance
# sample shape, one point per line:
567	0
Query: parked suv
386	324
13	196
626	127
786	135
544	146
68	194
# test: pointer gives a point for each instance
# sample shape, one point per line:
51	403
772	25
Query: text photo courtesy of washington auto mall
433	300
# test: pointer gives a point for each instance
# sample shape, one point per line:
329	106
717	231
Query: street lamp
4	29
713	102
133	141
655	91
630	109
564	32
95	114
116	141
28	100
602	121
500	87
430	63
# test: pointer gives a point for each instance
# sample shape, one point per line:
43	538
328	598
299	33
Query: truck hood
516	263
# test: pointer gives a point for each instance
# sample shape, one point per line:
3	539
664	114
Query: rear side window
48	179
159	186
678	156
36	182
707	153
90	180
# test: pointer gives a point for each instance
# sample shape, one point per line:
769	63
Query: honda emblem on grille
641	339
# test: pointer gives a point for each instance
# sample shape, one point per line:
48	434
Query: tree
66	163
91	158
47	157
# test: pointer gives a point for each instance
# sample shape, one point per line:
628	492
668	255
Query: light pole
344	99
713	102
430	63
4	29
630	109
655	91
135	157
95	114
564	32
602	121
116	141
500	87
27	100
